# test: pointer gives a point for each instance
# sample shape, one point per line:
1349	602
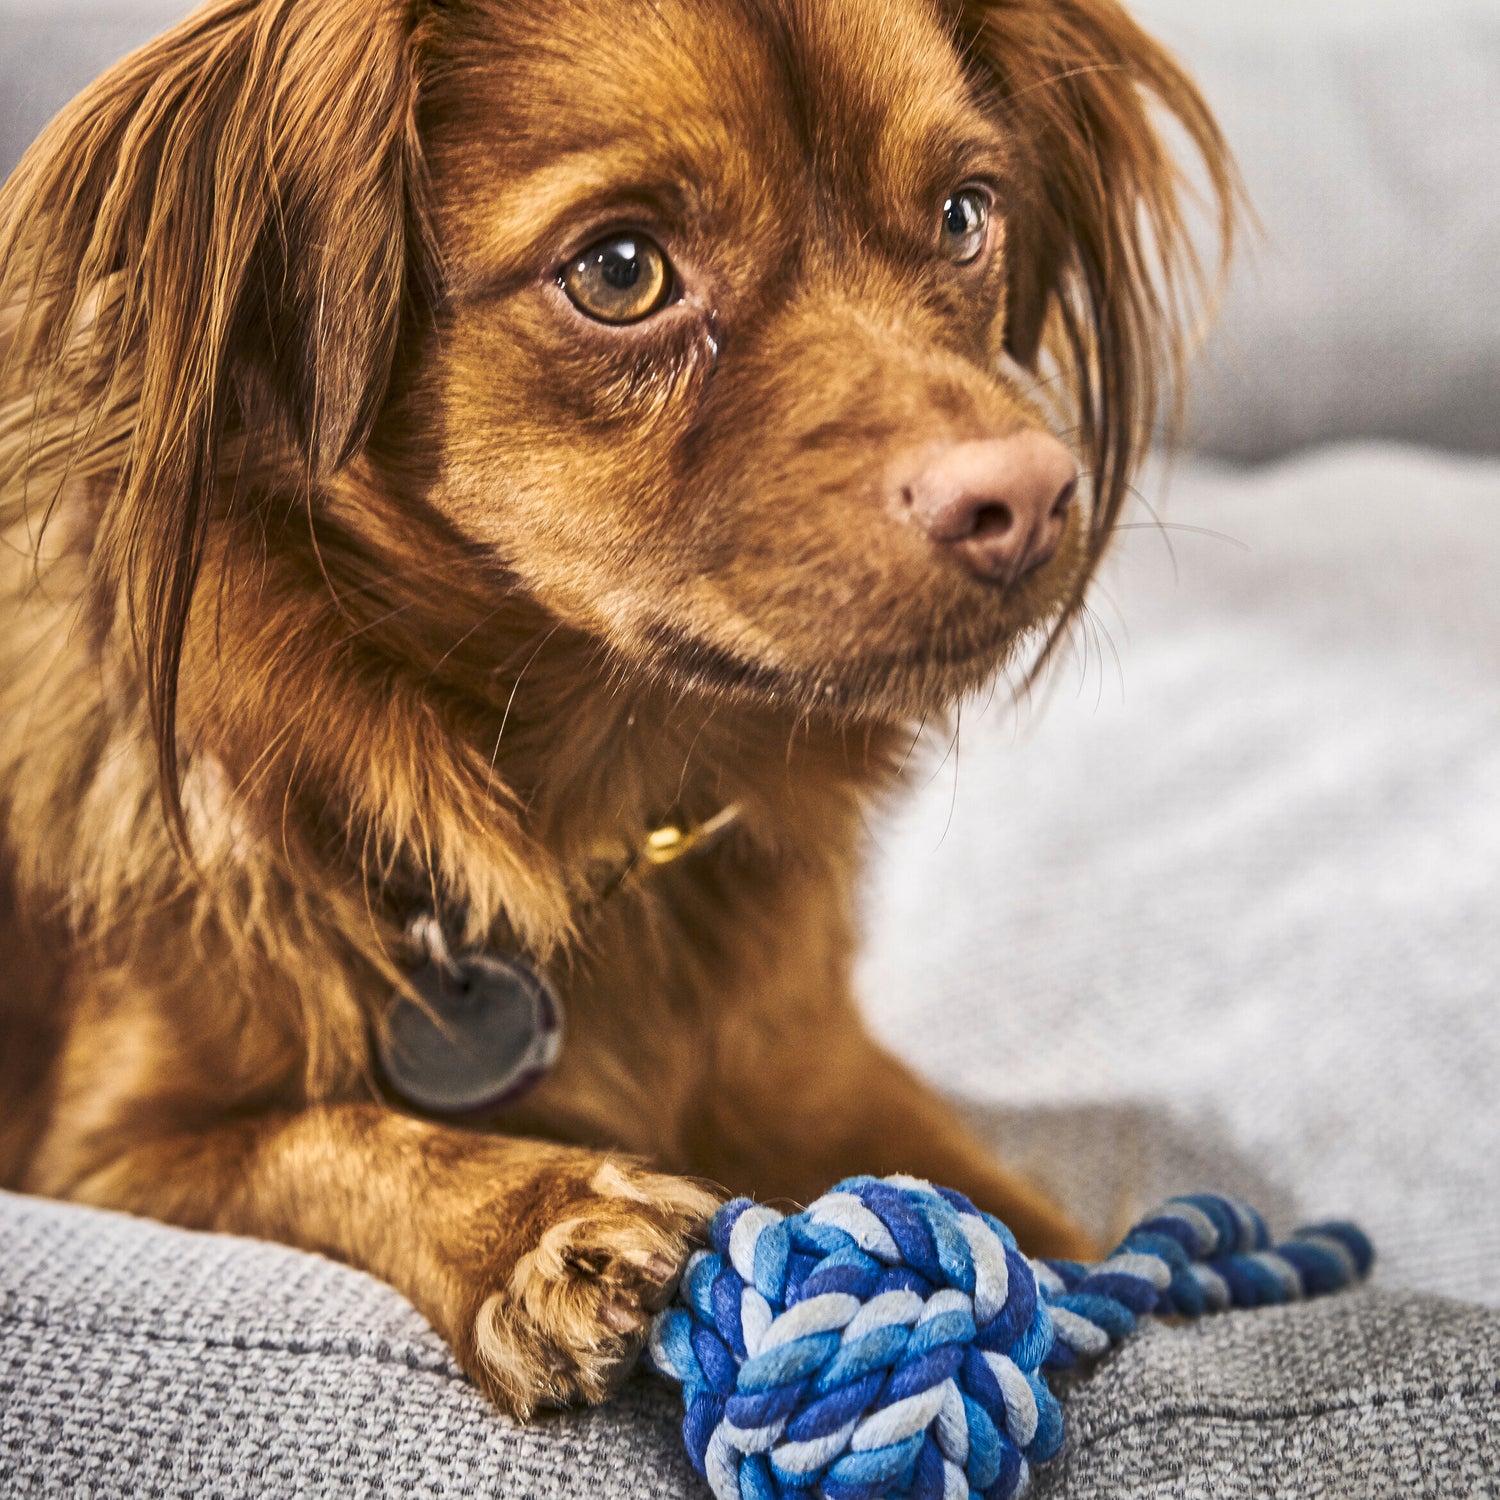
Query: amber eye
621	279
966	223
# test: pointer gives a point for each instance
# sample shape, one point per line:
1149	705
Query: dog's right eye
965	225
621	279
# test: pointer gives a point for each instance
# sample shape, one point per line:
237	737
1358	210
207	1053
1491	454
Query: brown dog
446	444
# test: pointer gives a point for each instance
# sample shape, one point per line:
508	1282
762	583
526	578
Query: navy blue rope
892	1341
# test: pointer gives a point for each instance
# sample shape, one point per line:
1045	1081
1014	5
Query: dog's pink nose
999	504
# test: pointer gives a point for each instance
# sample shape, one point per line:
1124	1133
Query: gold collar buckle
669	843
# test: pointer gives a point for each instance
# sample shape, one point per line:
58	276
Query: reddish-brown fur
347	567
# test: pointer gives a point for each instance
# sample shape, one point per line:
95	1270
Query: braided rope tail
892	1341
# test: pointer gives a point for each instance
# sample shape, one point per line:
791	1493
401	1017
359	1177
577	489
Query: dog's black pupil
620	265
962	215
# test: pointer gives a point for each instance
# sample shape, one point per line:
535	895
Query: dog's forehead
882	78
865	92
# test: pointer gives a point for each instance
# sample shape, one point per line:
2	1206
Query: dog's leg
793	1118
540	1264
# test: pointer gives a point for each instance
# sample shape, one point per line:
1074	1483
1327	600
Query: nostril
993	520
1064	499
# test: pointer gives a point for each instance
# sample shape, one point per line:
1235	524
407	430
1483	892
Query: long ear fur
1103	274
235	212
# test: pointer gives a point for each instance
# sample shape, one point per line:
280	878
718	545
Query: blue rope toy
892	1341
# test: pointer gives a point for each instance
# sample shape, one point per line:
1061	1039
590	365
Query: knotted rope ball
892	1340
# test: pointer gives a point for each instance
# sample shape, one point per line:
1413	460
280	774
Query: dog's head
718	325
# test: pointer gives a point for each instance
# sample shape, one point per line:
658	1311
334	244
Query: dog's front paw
599	1254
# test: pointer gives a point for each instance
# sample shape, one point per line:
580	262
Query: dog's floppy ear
1102	272
247	187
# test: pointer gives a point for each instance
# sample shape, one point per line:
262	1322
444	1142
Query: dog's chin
890	686
919	655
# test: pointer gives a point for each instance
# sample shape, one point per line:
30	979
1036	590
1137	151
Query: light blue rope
892	1341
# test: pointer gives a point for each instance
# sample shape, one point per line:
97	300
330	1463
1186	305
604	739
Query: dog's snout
998	504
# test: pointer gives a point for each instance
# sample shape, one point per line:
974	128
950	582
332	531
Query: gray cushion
1372	1396
136	1359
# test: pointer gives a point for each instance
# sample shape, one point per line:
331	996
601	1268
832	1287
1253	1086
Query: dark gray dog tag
491	1030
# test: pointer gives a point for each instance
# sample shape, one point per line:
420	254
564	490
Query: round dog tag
490	1030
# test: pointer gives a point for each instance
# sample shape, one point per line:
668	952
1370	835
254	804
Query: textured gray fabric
1365	1397
141	1360
1224	913
136	1360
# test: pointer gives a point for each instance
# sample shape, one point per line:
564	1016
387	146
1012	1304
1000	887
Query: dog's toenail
620	1318
660	1268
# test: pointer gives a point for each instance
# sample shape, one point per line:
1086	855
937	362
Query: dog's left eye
965	226
621	279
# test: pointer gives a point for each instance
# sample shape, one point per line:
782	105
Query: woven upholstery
139	1360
